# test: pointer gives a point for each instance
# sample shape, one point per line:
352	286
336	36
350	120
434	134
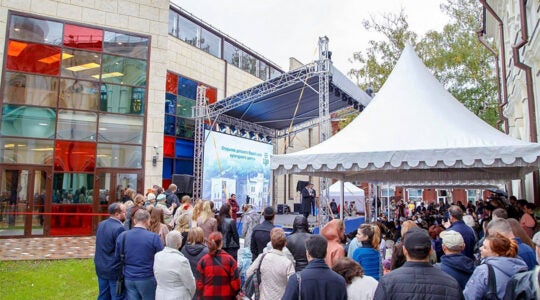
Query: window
122	99
76	125
26	151
173	23
73	188
184	107
122	70
126	45
415	195
33	58
119	156
120	129
79	94
35	30
83	37
231	54
188	31
74	156
472	195
28	121
26	89
80	64
210	43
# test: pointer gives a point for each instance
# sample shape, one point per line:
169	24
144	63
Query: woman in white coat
173	274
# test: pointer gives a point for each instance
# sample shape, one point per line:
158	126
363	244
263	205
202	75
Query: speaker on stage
184	182
297	208
280	209
300	185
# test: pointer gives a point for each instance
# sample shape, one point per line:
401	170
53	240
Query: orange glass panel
33	58
83	37
211	95
75	156
172	83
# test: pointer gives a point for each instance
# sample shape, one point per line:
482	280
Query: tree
454	55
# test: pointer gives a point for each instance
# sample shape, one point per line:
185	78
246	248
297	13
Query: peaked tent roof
415	132
350	190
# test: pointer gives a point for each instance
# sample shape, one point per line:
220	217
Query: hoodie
194	252
504	267
458	266
332	234
296	242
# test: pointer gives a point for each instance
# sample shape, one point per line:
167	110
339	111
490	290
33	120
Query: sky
280	29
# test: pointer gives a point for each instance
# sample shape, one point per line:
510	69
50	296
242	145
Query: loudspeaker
300	185
298	208
280	209
184	182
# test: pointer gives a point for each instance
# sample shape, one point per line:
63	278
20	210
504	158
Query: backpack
491	293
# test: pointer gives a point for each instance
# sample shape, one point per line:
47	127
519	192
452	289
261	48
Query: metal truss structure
213	116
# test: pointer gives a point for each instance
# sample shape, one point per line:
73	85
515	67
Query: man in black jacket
261	233
296	242
308	199
417	278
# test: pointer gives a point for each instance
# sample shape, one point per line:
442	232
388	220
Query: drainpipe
500	75
533	136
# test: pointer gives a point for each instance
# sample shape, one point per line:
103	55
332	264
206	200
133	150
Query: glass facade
210	41
73	101
179	126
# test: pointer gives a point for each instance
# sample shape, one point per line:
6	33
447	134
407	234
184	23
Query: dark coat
318	282
417	280
107	264
231	240
307	200
194	252
296	242
458	266
259	238
468	237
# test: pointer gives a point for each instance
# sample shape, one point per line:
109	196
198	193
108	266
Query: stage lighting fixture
223	128
369	91
344	97
360	108
355	105
268	139
337	92
233	130
260	137
252	135
243	132
331	88
350	101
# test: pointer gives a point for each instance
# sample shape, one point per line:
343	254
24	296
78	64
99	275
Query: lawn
48	279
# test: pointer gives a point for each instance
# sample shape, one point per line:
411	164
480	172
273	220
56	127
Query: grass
48	279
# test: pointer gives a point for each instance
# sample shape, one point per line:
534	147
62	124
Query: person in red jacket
219	277
234	205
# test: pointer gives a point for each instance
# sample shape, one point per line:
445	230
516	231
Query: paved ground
47	248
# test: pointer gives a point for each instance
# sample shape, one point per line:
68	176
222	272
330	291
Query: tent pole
341	198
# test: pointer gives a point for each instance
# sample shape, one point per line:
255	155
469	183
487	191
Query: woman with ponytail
500	253
367	254
219	278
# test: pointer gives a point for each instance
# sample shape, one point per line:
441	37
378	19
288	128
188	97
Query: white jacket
362	288
275	271
173	274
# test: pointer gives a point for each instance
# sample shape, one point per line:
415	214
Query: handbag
251	286
120	281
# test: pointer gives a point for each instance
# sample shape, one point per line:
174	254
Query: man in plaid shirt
219	278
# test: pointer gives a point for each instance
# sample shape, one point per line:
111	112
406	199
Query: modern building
95	99
514	27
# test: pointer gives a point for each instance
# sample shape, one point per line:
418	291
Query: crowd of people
156	246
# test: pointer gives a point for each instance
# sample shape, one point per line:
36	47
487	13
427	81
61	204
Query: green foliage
454	55
48	279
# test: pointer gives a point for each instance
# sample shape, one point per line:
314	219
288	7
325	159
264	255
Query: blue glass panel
167	168
170	127
170	104
28	121
183	166
187	88
184	148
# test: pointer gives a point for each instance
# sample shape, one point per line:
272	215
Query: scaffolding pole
323	68
199	113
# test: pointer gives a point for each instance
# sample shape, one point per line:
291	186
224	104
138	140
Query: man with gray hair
453	262
456	219
172	271
503	227
138	246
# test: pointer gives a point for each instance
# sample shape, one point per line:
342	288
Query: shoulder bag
251	286
120	280
491	293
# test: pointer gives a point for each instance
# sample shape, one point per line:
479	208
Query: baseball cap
536	239
452	239
417	241
269	211
160	197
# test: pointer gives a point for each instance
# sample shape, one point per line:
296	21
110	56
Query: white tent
415	132
352	193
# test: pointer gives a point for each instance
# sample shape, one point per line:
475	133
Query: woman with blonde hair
197	210
367	255
498	253
182	226
206	220
157	224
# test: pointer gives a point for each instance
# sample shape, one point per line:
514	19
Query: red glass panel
211	95
168	146
29	57
71	220
75	156
172	83
165	183
83	37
